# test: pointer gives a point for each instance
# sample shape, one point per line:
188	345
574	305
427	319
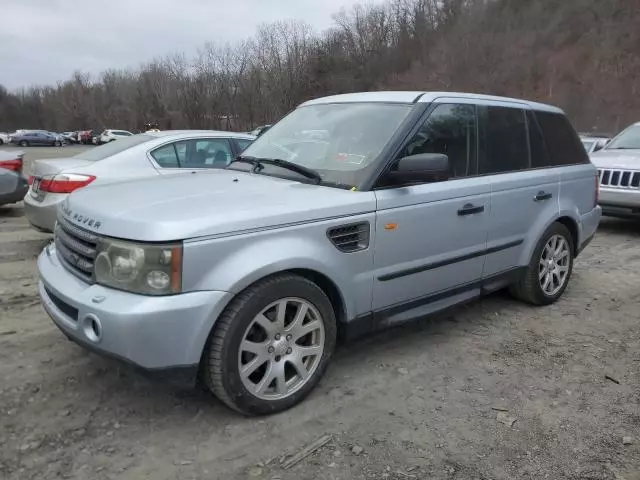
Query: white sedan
142	155
112	135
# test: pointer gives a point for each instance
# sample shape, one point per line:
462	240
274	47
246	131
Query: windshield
111	148
340	141
628	139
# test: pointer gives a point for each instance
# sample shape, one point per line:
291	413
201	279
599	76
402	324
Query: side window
537	147
563	143
451	130
503	140
197	153
209	153
166	156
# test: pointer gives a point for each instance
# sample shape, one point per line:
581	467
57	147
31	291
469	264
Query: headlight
139	268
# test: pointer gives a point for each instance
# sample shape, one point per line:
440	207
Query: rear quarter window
562	142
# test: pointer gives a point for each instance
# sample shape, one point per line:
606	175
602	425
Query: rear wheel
24	143
271	346
548	273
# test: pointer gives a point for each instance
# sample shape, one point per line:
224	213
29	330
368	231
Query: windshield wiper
258	164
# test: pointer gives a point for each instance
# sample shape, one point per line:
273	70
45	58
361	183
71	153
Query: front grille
619	178
350	238
76	248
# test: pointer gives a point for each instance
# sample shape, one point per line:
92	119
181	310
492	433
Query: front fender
234	263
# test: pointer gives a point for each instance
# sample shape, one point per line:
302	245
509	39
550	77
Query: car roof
425	97
210	133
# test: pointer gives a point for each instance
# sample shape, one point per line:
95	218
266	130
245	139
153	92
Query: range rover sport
353	213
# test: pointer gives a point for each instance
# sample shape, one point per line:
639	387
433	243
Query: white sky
44	41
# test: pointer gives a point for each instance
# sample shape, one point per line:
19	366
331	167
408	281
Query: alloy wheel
281	348
553	268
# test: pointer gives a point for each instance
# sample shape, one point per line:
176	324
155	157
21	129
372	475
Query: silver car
144	155
409	203
618	165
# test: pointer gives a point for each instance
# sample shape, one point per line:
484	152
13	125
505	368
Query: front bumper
42	214
153	333
619	202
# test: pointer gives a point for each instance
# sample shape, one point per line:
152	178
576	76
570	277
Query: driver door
431	237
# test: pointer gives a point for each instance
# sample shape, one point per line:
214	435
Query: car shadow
11	211
620	226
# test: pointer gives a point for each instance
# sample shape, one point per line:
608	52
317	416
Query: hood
40	168
622	159
201	204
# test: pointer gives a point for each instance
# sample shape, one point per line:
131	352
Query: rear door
524	193
577	190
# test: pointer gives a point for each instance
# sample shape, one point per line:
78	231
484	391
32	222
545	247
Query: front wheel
547	275
24	143
271	346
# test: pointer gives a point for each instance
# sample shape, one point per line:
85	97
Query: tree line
581	55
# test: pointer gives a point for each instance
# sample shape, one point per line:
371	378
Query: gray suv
395	206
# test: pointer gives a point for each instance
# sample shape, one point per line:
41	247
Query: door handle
542	196
470	209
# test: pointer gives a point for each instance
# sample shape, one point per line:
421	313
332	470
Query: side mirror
423	167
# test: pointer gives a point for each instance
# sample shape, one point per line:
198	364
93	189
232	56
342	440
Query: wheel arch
327	285
572	226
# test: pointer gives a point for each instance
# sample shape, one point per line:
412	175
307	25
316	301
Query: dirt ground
494	390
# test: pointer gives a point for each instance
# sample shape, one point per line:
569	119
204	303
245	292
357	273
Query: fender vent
350	238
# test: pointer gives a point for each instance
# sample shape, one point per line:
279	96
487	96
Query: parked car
36	137
416	202
4	138
13	186
95	137
69	137
618	166
142	155
85	137
112	135
592	143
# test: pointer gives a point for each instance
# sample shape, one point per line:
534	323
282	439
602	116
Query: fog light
158	280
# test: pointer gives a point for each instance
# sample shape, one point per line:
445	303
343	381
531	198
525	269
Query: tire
1	141
529	288
24	143
222	356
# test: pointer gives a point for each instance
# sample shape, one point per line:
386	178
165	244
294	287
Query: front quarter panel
232	263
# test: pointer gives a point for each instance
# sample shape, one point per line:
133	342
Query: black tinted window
563	144
503	140
450	129
539	157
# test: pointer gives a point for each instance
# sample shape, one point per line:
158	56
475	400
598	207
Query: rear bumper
588	226
17	195
42	215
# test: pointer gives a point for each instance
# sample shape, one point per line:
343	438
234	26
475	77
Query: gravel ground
493	390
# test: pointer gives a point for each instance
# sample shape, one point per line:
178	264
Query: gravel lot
494	390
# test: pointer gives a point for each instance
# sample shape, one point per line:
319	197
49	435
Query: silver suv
618	165
395	206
